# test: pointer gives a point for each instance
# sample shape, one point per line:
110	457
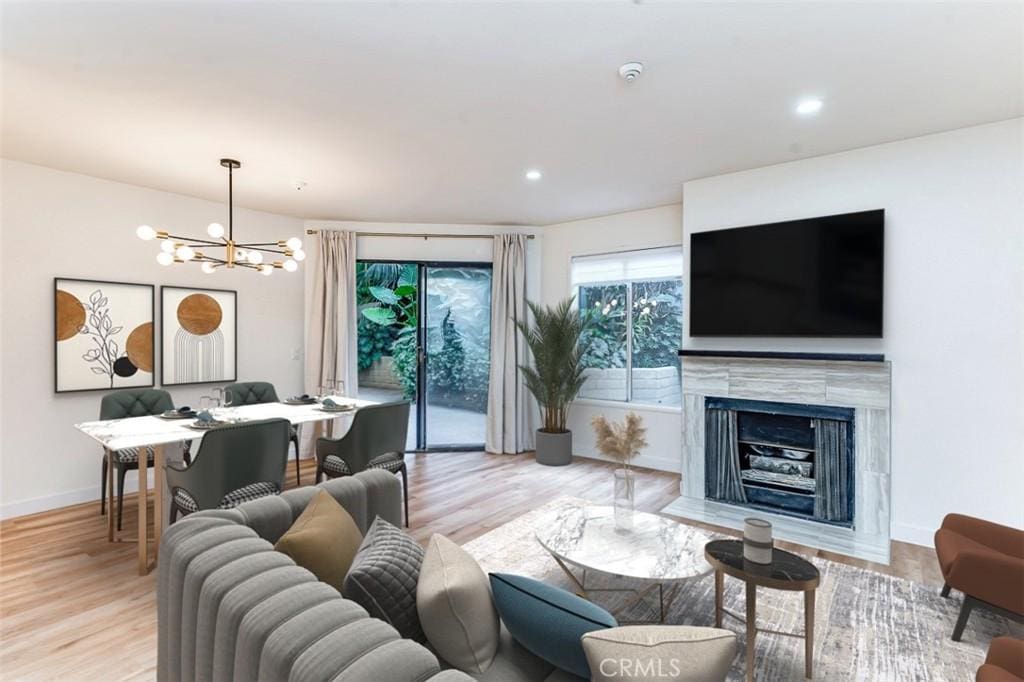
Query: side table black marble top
787	571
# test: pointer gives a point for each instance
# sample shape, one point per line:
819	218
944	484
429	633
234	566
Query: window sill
623	405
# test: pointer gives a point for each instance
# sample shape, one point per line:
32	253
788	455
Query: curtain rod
422	235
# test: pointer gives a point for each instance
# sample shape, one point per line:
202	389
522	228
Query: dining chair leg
121	471
103	487
298	471
405	493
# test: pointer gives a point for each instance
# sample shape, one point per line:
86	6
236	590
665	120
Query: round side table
787	571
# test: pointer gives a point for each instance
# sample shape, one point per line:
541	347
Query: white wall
63	224
619	232
954	303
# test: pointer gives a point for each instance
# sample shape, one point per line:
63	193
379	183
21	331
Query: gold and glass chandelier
178	249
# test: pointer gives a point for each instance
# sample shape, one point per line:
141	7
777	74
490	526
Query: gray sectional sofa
232	608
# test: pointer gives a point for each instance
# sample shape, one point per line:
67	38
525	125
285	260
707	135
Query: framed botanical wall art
199	335
103	335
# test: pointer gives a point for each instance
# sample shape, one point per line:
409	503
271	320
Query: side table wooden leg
719	586
143	500
809	634
751	628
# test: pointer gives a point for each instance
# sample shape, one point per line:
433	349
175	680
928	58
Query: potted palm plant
556	375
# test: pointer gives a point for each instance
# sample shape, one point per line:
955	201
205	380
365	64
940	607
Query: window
633	303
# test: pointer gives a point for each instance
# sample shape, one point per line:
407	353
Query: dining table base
142	505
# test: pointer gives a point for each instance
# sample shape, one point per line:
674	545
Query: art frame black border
163	362
152	315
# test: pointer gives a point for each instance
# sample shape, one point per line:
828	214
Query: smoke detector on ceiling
630	71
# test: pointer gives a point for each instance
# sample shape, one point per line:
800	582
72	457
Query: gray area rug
869	626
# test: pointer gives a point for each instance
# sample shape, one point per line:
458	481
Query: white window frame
574	289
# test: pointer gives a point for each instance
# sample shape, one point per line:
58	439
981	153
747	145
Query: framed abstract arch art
199	335
103	335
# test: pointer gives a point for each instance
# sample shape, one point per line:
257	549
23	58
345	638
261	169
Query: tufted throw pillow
323	540
453	600
547	620
383	578
682	653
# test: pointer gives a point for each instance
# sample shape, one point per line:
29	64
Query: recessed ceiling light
809	106
533	174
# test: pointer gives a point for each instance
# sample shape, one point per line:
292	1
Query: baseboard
35	505
915	535
669	464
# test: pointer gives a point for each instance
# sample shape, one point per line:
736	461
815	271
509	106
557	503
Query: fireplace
790	459
769	401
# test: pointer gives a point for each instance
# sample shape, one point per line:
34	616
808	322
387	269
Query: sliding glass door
424	336
458	334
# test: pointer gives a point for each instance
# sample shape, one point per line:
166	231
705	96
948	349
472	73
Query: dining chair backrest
135	402
232	457
376	430
250	393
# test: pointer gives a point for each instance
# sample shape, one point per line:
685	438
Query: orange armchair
984	561
1004	663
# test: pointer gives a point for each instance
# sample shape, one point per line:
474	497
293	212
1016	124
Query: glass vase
625	496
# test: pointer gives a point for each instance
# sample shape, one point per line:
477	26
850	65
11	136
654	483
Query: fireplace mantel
856	384
780	355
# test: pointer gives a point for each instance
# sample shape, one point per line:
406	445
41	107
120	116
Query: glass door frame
422	358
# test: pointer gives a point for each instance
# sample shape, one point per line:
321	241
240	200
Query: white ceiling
431	112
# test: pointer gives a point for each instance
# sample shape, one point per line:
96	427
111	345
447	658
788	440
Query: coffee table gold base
666	596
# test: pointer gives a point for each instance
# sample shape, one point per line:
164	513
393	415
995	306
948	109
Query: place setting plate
206	426
175	414
295	400
336	410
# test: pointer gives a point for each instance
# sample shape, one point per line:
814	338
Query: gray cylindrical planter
554	449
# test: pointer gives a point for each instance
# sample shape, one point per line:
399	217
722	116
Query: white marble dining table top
634	545
135	432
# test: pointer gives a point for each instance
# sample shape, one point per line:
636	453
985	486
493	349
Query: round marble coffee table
637	545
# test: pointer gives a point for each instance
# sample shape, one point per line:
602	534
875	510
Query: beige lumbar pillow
453	600
323	540
681	653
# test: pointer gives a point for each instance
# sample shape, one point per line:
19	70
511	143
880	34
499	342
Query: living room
700	324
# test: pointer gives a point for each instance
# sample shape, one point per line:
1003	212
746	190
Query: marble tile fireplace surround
862	388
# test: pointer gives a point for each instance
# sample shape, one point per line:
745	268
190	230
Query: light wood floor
72	606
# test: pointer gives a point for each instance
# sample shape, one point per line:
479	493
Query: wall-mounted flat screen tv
811	277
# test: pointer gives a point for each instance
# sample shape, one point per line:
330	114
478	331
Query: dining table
156	433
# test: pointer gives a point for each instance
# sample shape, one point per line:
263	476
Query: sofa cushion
677	652
548	620
454	604
383	578
324	540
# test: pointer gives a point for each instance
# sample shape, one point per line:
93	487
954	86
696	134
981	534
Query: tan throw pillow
453	599
680	653
323	540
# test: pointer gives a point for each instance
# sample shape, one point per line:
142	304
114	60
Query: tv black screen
812	277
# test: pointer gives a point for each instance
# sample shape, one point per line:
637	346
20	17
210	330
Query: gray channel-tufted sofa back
232	608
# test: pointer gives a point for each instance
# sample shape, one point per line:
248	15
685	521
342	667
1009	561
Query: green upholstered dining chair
133	402
376	440
256	393
234	464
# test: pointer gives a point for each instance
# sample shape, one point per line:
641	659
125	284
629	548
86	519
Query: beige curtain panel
331	332
509	404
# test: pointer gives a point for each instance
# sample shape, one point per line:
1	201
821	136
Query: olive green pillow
323	540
